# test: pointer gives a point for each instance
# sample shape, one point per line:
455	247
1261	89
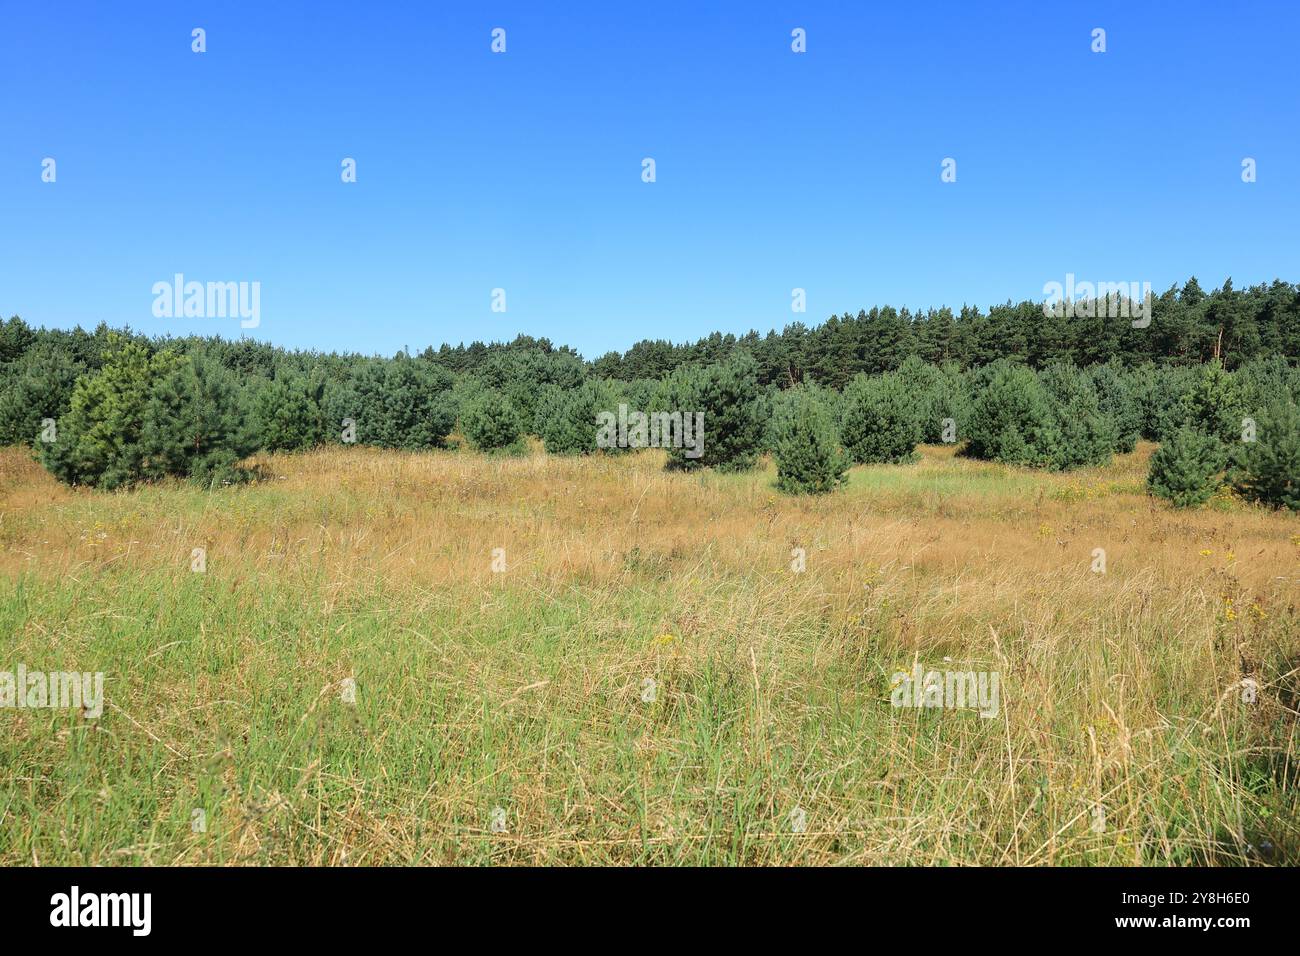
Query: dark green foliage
1084	435
549	404
640	393
192	424
1185	329
99	438
1050	421
520	375
1214	405
1187	325
566	420
1013	420
945	359
808	456
1267	380
491	422
1269	470
397	403
35	387
941	398
16	337
1160	390
729	396
879	420
288	413
828	398
464	392
871	342
1120	401
1184	470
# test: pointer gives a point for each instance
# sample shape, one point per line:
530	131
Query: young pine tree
880	420
288	413
1120	402
193	424
1184	470
1013	419
1270	465
729	395
566	418
36	387
99	439
1159	390
805	444
491	423
1084	434
1213	405
396	403
827	397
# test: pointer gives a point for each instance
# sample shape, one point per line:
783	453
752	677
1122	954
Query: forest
1212	377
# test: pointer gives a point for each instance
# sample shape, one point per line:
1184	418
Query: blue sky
522	170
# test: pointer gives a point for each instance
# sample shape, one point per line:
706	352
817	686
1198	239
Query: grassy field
1122	735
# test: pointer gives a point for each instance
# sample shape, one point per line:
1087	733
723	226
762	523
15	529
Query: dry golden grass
522	690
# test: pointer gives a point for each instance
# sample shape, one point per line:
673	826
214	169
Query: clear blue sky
523	170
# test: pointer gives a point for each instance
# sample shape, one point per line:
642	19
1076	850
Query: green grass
523	690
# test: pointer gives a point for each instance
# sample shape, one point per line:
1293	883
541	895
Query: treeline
108	408
1187	327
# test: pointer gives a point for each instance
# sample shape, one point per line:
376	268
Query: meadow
442	657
